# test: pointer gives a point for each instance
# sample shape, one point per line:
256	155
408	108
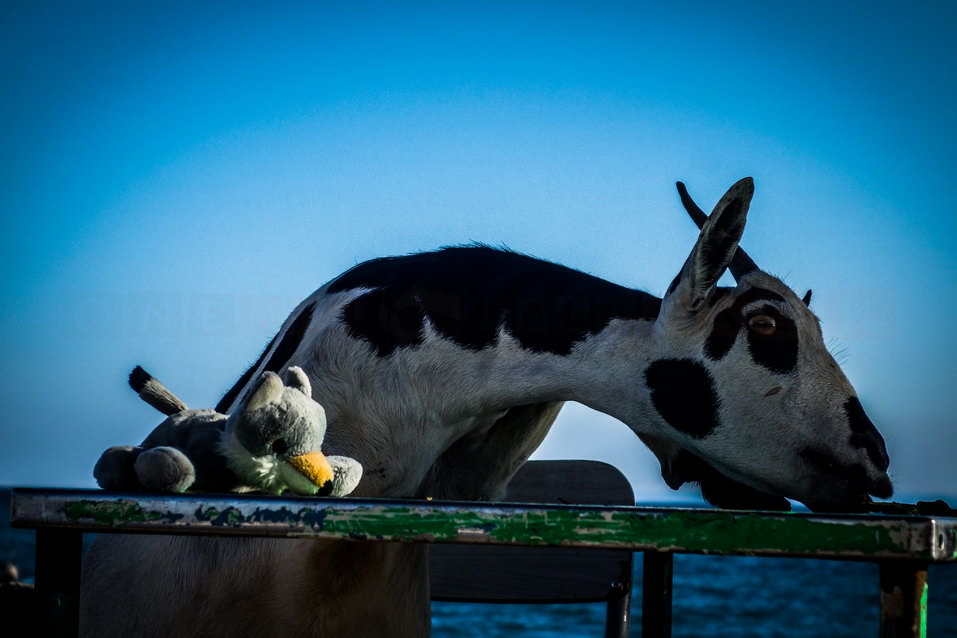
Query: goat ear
297	378
807	298
716	245
268	391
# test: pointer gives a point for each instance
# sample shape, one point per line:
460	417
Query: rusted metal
903	599
932	539
656	579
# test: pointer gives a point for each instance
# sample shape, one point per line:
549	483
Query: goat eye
762	324
279	446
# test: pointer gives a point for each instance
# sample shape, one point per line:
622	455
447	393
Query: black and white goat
441	372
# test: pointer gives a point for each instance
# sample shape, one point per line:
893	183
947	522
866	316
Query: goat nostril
773	391
279	446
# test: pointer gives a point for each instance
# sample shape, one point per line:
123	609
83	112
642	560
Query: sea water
713	597
725	596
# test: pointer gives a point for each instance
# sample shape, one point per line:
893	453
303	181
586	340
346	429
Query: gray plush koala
270	443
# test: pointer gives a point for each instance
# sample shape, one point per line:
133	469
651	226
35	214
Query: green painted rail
701	531
902	545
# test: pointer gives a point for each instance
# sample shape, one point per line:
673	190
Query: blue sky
175	178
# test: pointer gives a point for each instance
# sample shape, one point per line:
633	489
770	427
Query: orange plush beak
314	466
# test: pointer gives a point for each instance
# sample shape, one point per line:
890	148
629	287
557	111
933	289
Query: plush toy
270	443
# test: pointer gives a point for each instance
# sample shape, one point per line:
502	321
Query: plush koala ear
296	378
269	390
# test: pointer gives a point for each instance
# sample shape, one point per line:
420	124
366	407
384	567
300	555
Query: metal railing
902	546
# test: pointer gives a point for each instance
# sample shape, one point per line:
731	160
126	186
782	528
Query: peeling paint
234	517
693	531
715	532
230	516
114	512
923	611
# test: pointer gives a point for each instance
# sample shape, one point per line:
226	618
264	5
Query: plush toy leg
165	469
114	470
346	474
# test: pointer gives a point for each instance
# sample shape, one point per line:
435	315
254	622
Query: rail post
618	611
656	572
903	599
57	580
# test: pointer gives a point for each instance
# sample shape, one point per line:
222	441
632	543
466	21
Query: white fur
267	473
261	471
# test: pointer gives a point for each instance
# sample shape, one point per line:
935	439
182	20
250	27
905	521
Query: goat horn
740	264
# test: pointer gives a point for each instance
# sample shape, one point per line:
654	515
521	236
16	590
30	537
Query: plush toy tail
154	392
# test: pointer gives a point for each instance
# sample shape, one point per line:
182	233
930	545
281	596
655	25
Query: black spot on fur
864	434
720	491
285	349
388	323
683	393
290	340
757	294
777	351
723	334
852	475
468	293
729	322
718	295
